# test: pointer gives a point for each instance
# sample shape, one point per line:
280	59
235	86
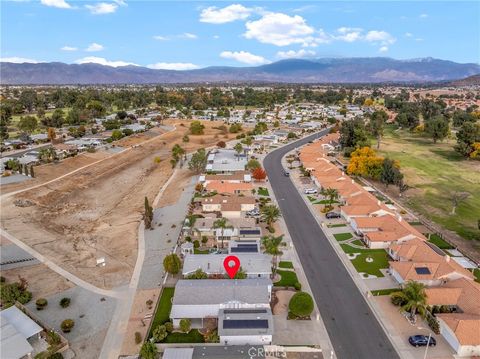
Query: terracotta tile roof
469	301
219	199
237	176
465	326
443	295
228	187
387	228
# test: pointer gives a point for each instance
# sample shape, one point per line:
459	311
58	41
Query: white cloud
408	34
216	36
214	15
283	30
305	8
383	49
93	47
188	35
69	48
244	57
381	37
102	8
173	66
18	60
291	54
418	39
161	38
103	61
61	4
423	16
349	34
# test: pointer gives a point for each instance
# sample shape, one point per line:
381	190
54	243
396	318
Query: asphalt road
353	329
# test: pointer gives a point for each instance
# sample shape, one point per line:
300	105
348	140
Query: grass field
162	314
439	242
193	336
285	264
289	278
262	191
437	171
380	261
384	291
342	236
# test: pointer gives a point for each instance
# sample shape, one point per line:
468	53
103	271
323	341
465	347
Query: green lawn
437	172
358	242
476	273
439	242
380	261
289	278
326	201
312	199
200	251
193	336
262	191
336	225
285	264
384	291
162	314
342	236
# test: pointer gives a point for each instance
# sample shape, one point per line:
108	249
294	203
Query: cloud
305	8
291	54
188	35
173	66
18	60
423	16
408	34
161	38
103	8
244	57
93	47
69	48
349	34
282	30
214	15
103	61
383	49
381	37
61	4
216	36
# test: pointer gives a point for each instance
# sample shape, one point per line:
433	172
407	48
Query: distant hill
469	81
328	70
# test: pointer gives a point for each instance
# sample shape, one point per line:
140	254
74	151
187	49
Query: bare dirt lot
95	212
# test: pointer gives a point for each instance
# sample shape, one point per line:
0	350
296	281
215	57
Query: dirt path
95	212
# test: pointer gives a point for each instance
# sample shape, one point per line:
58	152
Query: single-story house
235	177
203	298
254	265
245	326
225	161
244	246
244	188
230	206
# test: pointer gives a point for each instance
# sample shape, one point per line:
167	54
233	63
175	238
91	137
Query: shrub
172	264
41	303
196	244
212	337
188	238
301	304
149	303
397	299
67	325
433	323
55	356
138	338
160	333
65	302
185	325
53	338
169	327
297	286
204	239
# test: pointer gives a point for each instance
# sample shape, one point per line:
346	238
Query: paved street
351	325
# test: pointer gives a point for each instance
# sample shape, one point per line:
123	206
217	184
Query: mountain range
326	70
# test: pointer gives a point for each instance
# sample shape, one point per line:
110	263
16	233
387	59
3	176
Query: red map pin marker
231	265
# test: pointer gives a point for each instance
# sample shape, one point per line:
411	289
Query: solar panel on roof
243	249
245	324
249	231
244	311
422	270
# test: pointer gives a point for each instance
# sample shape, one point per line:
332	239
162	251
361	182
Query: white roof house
16	328
254	265
225	160
201	298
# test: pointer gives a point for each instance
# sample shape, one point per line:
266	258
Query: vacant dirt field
95	212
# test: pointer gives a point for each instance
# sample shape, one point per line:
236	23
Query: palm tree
331	194
414	297
272	246
270	214
238	148
223	224
148	350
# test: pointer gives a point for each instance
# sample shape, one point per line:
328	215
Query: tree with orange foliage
365	162
259	174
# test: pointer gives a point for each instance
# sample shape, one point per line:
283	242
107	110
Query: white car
310	191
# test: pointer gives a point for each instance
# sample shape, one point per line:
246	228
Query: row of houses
413	258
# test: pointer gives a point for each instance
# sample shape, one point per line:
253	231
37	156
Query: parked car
253	213
331	215
310	191
286	173
422	341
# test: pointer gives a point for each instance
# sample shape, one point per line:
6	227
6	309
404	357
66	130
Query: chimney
447	258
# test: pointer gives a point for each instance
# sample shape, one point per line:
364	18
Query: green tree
272	246
28	124
148	350
185	139
353	134
67	325
172	264
331	194
238	149
177	154
301	304
198	161
235	128
116	135
270	213
6	112
241	274
377	124
413	298
148	215
390	172
47	154
57	118
196	128
467	135
253	164
260	128
159	333
198	274
185	325
221	223
437	128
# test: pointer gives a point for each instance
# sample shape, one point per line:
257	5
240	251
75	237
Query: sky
193	34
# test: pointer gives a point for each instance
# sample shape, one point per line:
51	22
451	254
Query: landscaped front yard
342	236
288	278
262	191
439	242
367	261
162	314
285	264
